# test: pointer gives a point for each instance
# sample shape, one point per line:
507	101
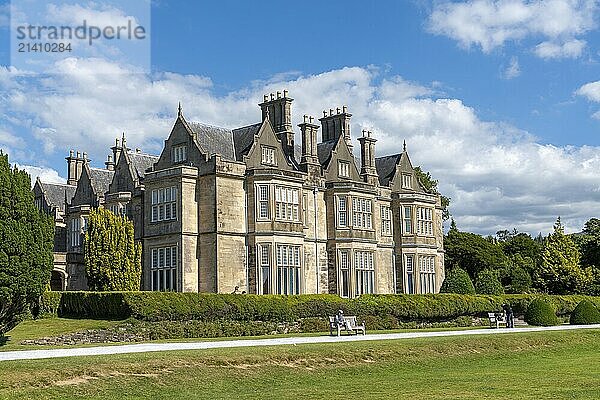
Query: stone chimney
309	143
71	168
278	108
75	163
110	165
368	171
335	124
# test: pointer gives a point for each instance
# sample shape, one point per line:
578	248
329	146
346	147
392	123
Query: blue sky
496	98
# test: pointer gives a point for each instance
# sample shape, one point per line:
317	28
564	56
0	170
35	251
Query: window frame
268	156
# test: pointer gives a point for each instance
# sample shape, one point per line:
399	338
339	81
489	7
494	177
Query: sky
498	100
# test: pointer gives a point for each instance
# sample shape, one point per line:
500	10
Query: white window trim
263	201
267	154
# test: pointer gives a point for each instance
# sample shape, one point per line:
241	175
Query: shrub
488	283
49	303
457	281
541	313
585	313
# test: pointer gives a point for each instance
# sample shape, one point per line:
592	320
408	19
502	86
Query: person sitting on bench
341	321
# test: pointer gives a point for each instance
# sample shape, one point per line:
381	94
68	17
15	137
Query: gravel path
149	347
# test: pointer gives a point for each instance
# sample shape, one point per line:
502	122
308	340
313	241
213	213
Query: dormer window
406	181
179	153
343	169
268	155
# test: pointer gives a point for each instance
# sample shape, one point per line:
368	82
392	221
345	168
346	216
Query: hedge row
170	306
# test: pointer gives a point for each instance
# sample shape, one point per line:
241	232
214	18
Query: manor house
251	210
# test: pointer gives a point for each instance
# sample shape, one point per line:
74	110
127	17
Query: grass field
563	365
37	328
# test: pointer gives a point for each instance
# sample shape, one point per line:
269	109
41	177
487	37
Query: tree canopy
473	252
560	271
27	239
112	258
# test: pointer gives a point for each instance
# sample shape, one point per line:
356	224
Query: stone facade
249	210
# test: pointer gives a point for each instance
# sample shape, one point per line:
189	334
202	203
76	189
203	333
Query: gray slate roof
214	139
386	168
55	194
101	179
243	138
141	162
324	150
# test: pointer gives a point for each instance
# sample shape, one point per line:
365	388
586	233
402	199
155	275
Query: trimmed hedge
585	313
170	306
541	313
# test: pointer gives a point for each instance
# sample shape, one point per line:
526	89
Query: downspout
246	263
315	191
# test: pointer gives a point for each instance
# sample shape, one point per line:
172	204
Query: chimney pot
84	155
285	93
304	116
324	113
344	109
311	119
265	97
331	111
337	110
78	154
278	94
71	153
272	96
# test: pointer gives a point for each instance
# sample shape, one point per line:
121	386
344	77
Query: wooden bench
497	319
350	326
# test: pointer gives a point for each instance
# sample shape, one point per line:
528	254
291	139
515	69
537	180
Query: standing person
508	311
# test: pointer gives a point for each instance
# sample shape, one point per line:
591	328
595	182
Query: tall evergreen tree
113	261
26	244
560	272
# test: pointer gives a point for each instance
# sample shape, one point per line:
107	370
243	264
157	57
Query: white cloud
591	91
498	176
490	24
46	174
513	69
569	49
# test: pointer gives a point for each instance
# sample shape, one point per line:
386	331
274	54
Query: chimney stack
368	171
71	168
110	165
336	124
75	163
309	143
278	109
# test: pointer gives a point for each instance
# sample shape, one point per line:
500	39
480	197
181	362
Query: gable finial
123	141
179	110
404	145
267	112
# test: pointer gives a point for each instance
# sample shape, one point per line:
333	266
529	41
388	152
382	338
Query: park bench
497	319
350	321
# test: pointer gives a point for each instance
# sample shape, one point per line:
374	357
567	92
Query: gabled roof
100	180
386	168
141	162
213	139
324	150
56	193
243	138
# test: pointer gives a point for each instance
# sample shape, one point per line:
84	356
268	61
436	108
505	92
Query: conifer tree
112	258
560	272
26	244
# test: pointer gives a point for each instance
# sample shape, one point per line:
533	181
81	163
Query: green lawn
37	328
536	365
